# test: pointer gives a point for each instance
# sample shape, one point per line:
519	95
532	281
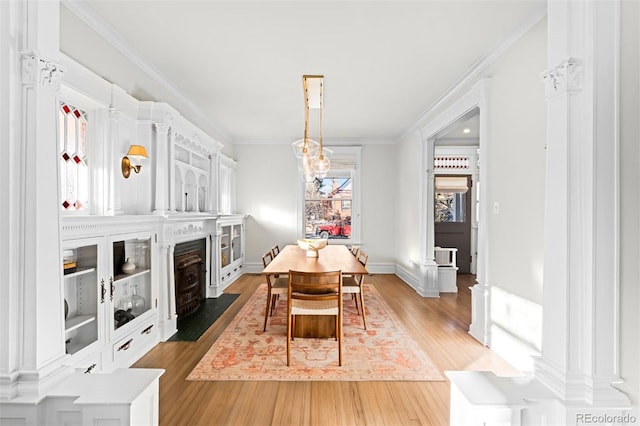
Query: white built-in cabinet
230	249
110	292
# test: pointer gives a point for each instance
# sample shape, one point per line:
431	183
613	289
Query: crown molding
478	67
88	16
326	142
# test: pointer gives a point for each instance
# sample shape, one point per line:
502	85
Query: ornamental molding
564	77
37	70
189	230
192	144
113	113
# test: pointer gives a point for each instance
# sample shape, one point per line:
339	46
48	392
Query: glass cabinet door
131	292
237	241
82	296
225	247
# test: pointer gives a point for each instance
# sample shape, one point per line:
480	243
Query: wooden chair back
267	258
275	250
315	285
362	258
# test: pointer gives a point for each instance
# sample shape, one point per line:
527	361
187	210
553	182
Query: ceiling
241	63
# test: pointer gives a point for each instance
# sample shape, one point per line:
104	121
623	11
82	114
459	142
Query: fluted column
162	164
31	300
580	344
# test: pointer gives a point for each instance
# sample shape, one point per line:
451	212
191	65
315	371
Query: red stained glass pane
77	113
77	159
65	156
66	109
65	204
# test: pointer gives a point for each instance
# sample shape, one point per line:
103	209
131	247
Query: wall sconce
133	160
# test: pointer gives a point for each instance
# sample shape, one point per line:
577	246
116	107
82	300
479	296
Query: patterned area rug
384	351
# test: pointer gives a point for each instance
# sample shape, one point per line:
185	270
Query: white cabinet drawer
128	349
87	365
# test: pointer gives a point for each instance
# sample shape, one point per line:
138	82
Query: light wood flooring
439	325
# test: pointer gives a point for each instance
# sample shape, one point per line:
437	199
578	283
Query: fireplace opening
189	272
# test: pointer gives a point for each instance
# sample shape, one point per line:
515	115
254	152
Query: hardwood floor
439	325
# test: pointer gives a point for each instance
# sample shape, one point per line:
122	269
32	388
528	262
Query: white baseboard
407	277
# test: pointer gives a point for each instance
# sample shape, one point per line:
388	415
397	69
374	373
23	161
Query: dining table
333	257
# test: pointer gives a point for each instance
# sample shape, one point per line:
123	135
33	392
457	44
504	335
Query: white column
171	173
579	360
31	300
161	162
428	276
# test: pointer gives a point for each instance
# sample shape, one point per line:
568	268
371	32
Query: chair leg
355	300
339	334
274	299
364	315
289	336
266	312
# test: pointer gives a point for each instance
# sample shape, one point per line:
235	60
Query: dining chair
353	284
275	250
354	250
275	287
314	293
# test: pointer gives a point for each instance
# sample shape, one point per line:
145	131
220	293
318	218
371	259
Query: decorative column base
428	286
478	328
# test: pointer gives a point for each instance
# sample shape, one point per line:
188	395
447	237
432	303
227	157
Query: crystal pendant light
314	160
321	163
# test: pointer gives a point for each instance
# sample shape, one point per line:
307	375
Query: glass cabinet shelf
79	273
76	322
121	277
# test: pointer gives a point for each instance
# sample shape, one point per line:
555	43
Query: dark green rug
192	327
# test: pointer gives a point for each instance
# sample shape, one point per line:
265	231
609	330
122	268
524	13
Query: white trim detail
83	12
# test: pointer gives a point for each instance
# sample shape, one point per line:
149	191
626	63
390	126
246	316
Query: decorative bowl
312	246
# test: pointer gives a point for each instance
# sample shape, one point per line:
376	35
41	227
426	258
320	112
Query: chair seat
279	285
314	307
350	285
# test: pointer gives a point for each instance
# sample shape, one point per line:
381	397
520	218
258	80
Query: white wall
407	208
516	180
268	189
630	201
515	157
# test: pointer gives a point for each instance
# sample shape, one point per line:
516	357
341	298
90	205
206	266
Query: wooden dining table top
330	258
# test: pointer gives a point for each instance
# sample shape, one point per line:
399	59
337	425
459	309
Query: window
328	208
331	205
450	202
72	149
450	207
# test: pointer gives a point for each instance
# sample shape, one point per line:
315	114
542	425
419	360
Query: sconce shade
132	160
137	152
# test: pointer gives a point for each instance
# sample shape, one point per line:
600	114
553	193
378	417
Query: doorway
452	224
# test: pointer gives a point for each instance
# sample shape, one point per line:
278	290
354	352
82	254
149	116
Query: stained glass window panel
72	145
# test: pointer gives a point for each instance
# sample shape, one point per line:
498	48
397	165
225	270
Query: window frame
351	154
95	150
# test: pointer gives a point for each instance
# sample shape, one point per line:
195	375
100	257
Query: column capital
39	70
564	77
162	127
